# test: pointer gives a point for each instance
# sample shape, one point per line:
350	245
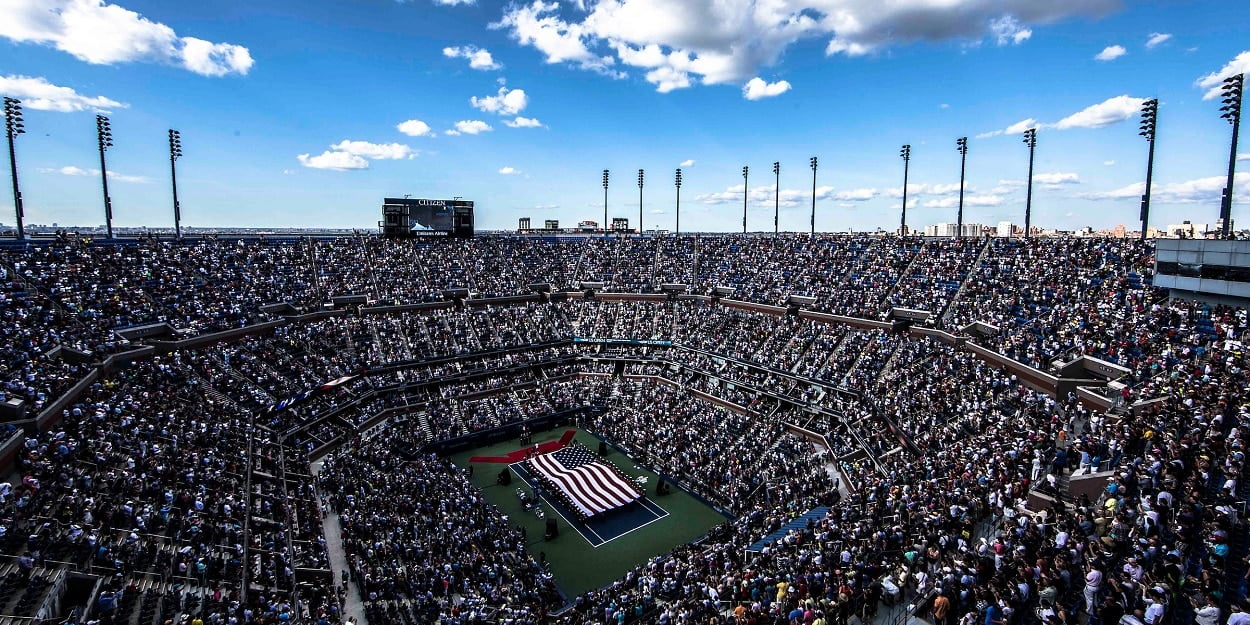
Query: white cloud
103	34
506	102
1008	30
1007	186
680	43
764	196
348	155
338	161
523	122
1243	157
917	188
479	58
657	211
1110	53
374	151
470	127
944	106
1106	113
39	94
509	171
1108	163
452	3
969	200
687	163
538	24
1157	39
1197	191
855	195
1013	129
70	170
214	59
757	88
1056	178
415	128
1214	81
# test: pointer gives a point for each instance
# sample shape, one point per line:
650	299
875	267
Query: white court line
646	500
556	509
657	518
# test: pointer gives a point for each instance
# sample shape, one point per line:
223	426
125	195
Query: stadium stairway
888	366
903	275
963	284
814	515
352	606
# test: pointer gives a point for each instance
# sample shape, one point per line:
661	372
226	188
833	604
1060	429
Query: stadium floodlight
605	202
813	161
13	127
962	144
776	197
678	183
640	177
746	190
905	153
175	152
1149	122
1231	111
104	139
1030	139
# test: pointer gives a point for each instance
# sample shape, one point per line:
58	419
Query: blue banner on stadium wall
623	341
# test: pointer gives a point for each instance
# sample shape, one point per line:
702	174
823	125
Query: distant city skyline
307	114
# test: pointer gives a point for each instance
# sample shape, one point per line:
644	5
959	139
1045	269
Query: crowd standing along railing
1038	380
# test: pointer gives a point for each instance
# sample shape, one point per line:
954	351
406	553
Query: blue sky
293	113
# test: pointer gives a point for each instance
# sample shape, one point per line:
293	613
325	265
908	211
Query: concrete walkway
352	606
832	468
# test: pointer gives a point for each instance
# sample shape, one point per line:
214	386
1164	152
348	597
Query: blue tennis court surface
603	528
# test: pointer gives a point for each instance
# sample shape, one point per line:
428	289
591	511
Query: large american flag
593	486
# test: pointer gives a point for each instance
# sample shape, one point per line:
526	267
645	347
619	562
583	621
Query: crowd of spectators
178	471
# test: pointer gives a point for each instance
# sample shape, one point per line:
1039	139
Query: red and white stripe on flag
593	487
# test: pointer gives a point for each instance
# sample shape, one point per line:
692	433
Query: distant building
1187	230
950	230
1005	229
523	223
1119	231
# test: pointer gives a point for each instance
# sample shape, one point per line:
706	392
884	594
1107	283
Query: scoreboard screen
420	216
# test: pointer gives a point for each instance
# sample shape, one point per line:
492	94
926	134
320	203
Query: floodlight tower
813	162
104	139
962	144
678	183
175	152
746	190
640	174
1030	139
905	153
13	127
776	198
605	202
1232	90
1149	122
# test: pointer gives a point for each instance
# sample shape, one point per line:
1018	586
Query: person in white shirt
1093	583
1205	611
1239	615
